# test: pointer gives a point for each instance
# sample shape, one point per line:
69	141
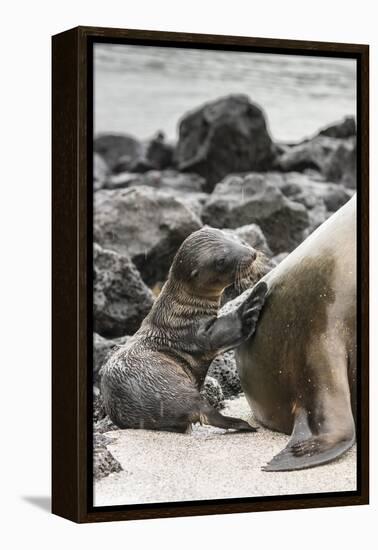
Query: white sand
210	463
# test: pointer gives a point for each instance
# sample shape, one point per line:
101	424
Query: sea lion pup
154	381
299	370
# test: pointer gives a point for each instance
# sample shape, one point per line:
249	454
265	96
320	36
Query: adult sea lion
299	370
154	381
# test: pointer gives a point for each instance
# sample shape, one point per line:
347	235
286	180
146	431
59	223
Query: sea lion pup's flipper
324	431
213	417
229	331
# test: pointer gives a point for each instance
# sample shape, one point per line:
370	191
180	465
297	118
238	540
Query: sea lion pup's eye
220	263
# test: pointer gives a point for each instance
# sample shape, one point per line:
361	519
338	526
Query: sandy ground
210	463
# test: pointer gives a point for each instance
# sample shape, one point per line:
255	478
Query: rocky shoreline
225	171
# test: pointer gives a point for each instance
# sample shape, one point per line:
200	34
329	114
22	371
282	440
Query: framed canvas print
210	274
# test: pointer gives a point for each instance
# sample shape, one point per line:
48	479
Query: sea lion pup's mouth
251	270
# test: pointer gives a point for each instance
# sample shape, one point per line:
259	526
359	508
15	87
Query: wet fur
154	381
299	372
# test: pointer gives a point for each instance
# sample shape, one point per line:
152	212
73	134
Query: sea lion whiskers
238	276
250	274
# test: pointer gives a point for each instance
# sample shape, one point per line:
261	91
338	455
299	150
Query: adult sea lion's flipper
306	450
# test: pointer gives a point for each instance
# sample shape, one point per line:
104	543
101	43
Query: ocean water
139	90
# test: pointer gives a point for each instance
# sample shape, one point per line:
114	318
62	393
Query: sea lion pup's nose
247	248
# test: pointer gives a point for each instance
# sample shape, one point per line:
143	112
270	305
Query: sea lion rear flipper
306	450
209	415
286	460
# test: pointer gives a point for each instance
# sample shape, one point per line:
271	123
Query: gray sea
140	90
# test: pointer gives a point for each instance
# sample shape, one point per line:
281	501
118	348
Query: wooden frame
72	284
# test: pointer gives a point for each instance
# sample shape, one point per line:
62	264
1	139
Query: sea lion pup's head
209	260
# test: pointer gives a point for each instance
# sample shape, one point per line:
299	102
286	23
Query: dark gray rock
100	172
341	165
171	180
185	187
118	149
147	224
212	391
310	154
139	165
120	298
320	197
334	158
194	202
98	407
122	180
292	184
344	129
188	188
252	235
224	136
302	189
224	370
104	462
104	425
160	153
336	197
155	154
166	180
257	198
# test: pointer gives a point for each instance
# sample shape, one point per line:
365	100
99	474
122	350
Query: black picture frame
72	135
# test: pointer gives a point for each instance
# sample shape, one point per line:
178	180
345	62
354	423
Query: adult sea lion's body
299	370
154	381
